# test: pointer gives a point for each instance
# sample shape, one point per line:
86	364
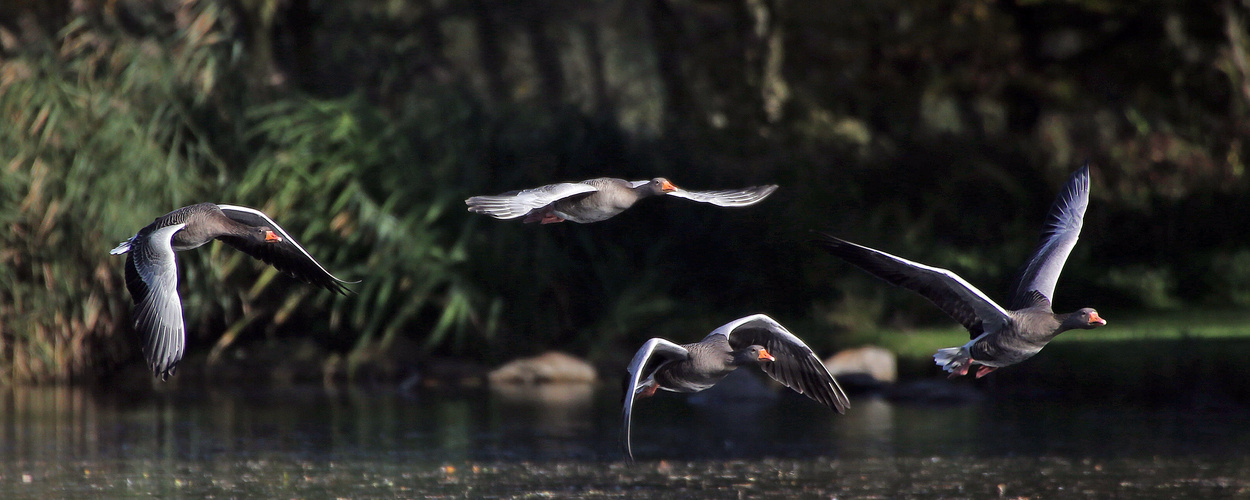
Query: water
299	442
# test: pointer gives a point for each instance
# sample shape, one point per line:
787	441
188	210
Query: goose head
1083	319
751	355
266	235
660	185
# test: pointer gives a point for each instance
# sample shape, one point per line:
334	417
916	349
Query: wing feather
287	255
945	289
795	365
152	278
1063	228
728	197
518	203
640	369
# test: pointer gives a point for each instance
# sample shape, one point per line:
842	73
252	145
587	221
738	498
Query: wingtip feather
121	248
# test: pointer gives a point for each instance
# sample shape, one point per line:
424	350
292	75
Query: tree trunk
490	55
666	35
546	55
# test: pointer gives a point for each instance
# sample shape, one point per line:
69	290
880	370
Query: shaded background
936	130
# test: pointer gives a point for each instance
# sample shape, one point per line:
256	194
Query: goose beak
272	237
667	187
765	356
1094	319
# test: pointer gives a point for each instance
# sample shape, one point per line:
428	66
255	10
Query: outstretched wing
728	197
1063	227
794	365
640	369
286	255
152	278
515	204
954	296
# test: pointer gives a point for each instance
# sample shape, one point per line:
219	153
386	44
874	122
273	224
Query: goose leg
957	372
985	370
545	215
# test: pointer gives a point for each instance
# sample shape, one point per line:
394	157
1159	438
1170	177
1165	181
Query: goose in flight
594	200
152	273
753	340
1000	336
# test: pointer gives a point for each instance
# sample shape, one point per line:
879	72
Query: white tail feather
121	249
952	358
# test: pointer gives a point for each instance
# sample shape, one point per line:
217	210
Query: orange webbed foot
958	372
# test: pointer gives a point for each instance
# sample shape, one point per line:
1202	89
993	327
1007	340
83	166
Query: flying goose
152	273
599	199
1000	336
752	340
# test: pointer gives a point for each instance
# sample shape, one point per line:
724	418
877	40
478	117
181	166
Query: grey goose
598	199
1000	336
152	273
752	340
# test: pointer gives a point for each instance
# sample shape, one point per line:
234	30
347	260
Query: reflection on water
546	420
352	442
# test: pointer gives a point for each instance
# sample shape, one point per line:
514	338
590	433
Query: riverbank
1195	358
1149	358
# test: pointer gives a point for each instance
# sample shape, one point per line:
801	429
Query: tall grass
360	125
108	131
388	217
98	139
111	130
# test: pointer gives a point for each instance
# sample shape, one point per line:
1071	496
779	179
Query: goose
1000	336
594	200
752	340
152	273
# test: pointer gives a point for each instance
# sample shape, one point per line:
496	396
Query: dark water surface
558	442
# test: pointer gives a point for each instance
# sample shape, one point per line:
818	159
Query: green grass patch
1170	325
916	343
1186	357
1151	325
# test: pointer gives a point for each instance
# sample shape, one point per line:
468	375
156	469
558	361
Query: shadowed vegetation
934	130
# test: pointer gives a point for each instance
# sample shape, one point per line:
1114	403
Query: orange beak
765	356
1094	319
668	187
272	237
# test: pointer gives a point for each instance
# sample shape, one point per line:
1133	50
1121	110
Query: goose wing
650	357
152	278
728	197
1063	227
794	365
954	296
286	255
515	204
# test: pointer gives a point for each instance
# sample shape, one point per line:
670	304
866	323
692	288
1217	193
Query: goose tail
955	360
121	248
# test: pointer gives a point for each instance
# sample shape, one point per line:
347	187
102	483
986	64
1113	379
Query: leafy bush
112	131
1228	277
